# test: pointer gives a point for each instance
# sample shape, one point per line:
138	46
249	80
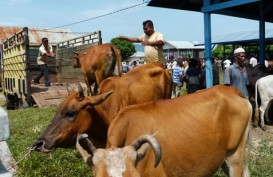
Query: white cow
263	87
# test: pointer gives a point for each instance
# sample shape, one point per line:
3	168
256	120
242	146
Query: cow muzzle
40	146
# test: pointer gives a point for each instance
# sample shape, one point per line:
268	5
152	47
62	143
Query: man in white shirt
253	61
226	63
45	51
152	41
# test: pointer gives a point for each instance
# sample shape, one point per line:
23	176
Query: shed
138	56
183	49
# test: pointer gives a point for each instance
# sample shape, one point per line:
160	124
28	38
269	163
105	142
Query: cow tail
117	57
256	102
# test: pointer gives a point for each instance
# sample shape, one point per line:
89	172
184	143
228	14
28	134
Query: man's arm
50	54
131	39
153	43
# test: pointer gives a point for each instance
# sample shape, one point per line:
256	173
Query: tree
126	48
219	51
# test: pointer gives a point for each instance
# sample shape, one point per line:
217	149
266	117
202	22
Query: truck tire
12	102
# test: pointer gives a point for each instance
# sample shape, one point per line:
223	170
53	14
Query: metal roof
242	36
182	45
138	54
36	34
250	10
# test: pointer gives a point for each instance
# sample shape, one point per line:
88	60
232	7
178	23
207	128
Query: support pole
208	54
262	35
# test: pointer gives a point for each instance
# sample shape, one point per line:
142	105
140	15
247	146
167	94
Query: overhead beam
224	5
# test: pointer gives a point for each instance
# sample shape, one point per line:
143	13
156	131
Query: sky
176	25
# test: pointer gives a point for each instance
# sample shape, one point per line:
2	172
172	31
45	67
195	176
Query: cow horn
68	88
141	148
80	91
85	147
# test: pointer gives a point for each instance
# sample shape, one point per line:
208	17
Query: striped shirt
177	72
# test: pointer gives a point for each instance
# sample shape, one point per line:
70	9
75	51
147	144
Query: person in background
202	66
152	41
215	71
45	51
193	77
185	67
125	67
253	61
219	63
134	64
226	63
177	76
236	74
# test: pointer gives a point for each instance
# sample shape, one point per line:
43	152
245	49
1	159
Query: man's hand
52	55
144	43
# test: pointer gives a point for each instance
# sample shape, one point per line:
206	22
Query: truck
19	66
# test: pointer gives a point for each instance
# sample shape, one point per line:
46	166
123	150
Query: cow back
145	83
195	131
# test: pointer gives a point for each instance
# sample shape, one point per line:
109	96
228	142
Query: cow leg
87	85
262	119
99	78
267	112
236	164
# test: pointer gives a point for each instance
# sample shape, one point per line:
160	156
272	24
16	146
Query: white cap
239	50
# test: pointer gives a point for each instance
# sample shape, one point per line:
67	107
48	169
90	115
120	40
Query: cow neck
104	112
98	131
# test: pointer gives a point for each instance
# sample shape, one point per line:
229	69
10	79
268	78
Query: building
138	56
183	49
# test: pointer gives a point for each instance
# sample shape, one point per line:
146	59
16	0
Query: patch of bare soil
257	134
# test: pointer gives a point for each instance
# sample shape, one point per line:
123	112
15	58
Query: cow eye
70	115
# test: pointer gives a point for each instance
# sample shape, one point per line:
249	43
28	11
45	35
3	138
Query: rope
13	165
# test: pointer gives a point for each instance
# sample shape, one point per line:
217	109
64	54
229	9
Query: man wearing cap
44	51
236	74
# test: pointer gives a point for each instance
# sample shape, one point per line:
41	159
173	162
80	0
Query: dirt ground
257	134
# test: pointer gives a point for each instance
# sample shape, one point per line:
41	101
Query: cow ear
95	100
100	98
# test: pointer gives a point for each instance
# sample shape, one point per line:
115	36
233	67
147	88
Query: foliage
126	48
219	51
26	126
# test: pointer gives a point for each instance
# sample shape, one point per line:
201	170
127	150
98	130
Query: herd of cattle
192	135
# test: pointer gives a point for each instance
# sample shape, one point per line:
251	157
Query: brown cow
85	114
197	132
98	63
121	162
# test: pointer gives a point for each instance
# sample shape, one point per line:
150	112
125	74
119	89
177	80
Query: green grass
26	126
